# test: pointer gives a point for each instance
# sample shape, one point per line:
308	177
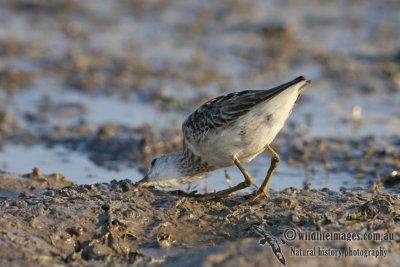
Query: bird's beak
143	183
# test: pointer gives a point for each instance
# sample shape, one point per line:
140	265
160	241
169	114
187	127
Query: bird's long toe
258	194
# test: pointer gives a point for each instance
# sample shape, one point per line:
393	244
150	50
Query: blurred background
95	89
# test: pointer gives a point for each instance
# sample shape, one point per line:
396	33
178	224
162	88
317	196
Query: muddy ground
110	82
118	224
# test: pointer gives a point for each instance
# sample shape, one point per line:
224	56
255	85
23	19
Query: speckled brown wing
224	110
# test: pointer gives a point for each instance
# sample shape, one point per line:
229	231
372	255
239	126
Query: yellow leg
248	180
262	191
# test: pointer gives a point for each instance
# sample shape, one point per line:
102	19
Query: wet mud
119	224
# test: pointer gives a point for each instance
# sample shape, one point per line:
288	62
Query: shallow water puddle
326	114
73	165
92	108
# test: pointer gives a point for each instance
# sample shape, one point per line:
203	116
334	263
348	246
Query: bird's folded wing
222	111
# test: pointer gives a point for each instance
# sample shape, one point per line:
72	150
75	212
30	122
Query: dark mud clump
117	223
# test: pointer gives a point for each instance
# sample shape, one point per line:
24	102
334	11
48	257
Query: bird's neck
193	164
181	167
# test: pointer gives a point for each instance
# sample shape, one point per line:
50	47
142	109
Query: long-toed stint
225	131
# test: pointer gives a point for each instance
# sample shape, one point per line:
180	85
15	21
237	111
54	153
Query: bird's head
164	171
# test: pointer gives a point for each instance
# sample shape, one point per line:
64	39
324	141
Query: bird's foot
259	193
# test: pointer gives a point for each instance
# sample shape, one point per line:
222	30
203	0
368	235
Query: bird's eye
153	162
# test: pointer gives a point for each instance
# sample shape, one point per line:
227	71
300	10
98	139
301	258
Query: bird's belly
219	151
